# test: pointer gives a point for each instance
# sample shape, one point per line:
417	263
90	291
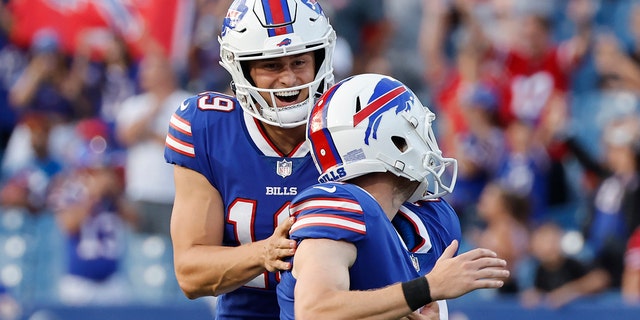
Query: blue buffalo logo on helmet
284	42
388	94
235	13
314	5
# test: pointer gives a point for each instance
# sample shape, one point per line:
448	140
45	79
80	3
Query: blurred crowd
537	100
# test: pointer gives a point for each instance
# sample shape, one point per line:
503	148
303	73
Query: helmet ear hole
400	143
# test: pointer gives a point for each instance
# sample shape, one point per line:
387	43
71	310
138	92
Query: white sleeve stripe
327	203
180	124
331	222
179	146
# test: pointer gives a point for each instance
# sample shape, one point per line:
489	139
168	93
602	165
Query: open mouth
288	96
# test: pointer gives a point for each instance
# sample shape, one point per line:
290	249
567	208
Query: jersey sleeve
180	140
191	133
327	211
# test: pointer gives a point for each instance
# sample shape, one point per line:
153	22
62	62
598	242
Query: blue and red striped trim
277	13
319	136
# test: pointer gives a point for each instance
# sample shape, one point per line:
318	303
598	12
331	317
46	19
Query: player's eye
271	66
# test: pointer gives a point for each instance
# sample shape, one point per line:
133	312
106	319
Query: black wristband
416	293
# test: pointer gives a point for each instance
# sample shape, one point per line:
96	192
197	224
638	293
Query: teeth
287	93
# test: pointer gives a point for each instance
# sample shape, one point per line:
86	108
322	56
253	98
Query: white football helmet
262	29
374	123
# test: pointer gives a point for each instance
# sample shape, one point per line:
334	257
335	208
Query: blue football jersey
427	228
346	212
209	133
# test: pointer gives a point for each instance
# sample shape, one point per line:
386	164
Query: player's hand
428	312
476	269
278	247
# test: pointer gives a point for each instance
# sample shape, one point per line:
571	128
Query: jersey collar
265	145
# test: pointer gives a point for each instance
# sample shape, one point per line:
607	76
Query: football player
239	160
372	142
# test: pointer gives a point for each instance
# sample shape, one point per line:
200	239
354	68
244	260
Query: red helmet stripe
377	104
319	136
277	13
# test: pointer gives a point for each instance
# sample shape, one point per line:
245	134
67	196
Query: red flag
167	22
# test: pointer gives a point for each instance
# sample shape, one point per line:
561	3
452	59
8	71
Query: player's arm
321	267
203	266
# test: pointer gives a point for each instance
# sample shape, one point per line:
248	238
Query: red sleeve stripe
180	124
329	221
179	146
337	204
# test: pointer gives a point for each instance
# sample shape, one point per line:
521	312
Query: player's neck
381	186
285	139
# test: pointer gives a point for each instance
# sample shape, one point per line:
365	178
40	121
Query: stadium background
377	36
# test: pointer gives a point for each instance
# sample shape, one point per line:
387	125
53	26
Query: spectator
504	214
103	61
12	61
478	150
28	186
616	70
141	127
615	206
452	76
48	84
49	88
91	211
524	168
578	20
537	79
204	72
559	279
401	45
531	72
366	28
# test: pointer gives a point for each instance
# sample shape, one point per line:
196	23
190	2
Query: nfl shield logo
416	263
284	167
